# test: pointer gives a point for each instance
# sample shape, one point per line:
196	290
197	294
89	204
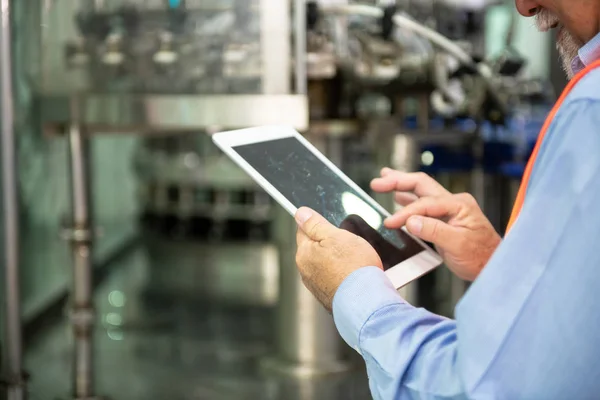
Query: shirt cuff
361	294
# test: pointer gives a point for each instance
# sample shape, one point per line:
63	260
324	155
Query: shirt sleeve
528	326
408	351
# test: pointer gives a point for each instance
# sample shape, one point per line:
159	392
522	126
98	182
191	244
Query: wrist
362	293
343	276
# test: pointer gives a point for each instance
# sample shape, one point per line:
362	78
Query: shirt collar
586	55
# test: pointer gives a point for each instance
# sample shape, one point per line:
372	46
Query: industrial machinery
371	85
169	71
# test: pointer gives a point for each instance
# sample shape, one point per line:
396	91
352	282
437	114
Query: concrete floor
163	348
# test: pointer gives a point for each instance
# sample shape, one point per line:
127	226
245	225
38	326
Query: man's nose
527	8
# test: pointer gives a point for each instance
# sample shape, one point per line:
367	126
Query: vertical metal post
406	157
423	114
275	28
398	151
81	237
14	346
340	33
300	46
478	173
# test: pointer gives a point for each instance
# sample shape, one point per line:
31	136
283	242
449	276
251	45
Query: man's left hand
326	255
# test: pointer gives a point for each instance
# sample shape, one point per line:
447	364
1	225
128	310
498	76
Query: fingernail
302	215
414	224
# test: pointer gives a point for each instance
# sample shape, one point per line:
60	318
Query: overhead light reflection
116	298
427	158
357	206
114	319
115	334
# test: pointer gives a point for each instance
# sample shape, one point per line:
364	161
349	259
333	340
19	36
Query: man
529	325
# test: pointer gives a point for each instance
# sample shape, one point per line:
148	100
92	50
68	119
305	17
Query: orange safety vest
525	182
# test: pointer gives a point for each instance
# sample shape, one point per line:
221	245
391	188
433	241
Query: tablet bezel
401	274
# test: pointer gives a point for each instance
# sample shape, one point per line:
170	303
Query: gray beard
567	44
568	48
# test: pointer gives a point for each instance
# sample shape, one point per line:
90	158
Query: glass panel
159	47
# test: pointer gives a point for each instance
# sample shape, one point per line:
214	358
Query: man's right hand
455	224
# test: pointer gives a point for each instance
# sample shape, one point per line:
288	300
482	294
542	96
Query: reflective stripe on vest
525	182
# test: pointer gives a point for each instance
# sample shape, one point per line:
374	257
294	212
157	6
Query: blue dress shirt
587	54
529	326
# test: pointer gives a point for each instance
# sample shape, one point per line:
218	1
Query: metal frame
86	114
275	46
81	237
82	115
13	347
148	114
300	56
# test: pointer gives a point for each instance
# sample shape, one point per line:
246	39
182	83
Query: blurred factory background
150	266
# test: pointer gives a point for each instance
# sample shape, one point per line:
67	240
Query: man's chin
565	62
568	48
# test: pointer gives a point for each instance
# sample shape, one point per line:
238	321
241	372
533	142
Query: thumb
431	230
314	225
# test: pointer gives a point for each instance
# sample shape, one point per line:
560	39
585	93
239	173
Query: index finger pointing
418	183
435	207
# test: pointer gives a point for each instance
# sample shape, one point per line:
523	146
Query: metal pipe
82	313
340	31
79	154
439	40
14	345
406	157
276	51
300	46
478	173
422	116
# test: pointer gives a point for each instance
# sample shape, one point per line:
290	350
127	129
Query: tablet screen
305	180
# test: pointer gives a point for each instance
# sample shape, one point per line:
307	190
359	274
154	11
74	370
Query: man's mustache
545	20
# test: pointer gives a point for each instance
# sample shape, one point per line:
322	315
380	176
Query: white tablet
296	174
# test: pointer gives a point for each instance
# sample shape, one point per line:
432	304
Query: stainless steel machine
172	72
165	70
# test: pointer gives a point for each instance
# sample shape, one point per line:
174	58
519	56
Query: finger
301	238
432	230
302	257
386	171
314	225
404	198
436	207
418	183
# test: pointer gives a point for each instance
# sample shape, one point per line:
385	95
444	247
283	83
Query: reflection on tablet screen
306	181
390	255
